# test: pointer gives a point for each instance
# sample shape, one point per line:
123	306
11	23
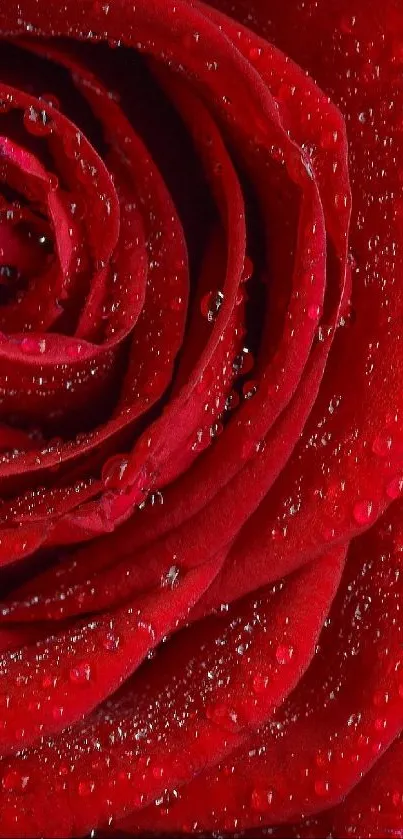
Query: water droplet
321	787
37	121
255	53
32	346
249	389
260	683
347	24
177	304
284	654
243	362
394	488
171	578
15	781
232	401
72	144
85	788
380	698
329	137
323	758
248	269
57	713
5	104
261	800
7	272
74	350
111	642
44	241
158	772
156	498
81	673
223	716
216	429
190	39
341	200
363	512
211	305
314	312
202	440
51	99
113	472
100	6
382	445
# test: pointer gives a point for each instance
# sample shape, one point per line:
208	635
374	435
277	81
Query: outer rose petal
375	808
343	715
340	487
53	693
372	810
180	714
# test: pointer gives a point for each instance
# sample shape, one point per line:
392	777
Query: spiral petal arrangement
201	448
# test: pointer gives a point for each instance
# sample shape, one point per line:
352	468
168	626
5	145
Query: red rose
201	444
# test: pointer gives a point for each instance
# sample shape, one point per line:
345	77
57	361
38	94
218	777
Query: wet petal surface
200	418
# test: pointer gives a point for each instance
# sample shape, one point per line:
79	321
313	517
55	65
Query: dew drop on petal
100	6
81	673
394	488
255	53
380	698
249	389
5	105
202	440
247	270
14	781
156	498
74	350
51	99
260	683
284	654
37	121
363	511
382	444
211	305
323	758
314	312
321	788
261	800
111	642
171	578
232	401
243	362
32	346
85	788
177	304
216	429
113	472
223	716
